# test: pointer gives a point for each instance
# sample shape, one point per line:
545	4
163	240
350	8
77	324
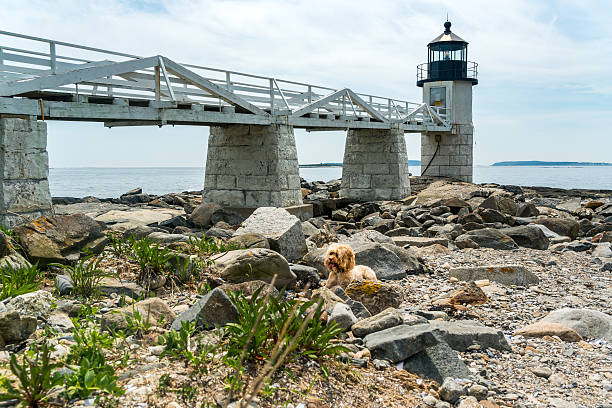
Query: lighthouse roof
447	36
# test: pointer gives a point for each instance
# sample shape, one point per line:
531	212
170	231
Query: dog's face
340	258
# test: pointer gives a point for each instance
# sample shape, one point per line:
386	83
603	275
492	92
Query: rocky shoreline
489	295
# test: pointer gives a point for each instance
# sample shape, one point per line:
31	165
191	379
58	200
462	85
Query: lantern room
447	60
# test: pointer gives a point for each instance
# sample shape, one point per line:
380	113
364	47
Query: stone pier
375	165
250	166
24	165
454	155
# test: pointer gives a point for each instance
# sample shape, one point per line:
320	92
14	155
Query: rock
580	246
488	238
283	230
174	222
329	297
410	261
603	250
248	288
492	216
165	238
15	328
593	204
383	261
571	205
430	400
528	236
109	286
60	321
152	310
451	391
15	260
308	229
437	363
222	233
480	392
543	372
541	329
568	227
369	236
228	216
375	296
384	320
254	264
419	241
307	275
249	240
400	342
503	274
214	309
527	210
37	304
469	402
343	316
462	334
499	203
202	214
140	231
587	322
59	238
358	309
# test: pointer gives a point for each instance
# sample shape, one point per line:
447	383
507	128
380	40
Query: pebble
543	372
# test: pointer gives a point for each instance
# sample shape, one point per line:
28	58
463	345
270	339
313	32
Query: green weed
18	281
35	375
86	275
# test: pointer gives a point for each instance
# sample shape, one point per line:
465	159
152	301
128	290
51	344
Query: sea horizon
111	182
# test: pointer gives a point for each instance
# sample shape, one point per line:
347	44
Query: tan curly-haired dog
340	260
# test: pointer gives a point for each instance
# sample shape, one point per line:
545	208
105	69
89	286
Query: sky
545	67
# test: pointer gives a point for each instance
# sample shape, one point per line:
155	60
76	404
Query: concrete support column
375	165
24	171
252	166
454	157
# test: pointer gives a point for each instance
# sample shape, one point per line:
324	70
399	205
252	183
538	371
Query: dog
340	260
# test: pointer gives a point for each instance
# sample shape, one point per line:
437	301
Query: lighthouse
447	79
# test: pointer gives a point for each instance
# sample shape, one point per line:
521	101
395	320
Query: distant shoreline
548	163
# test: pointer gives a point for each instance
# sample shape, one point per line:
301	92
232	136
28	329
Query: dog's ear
348	258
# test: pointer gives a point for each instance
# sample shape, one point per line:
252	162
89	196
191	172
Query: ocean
112	182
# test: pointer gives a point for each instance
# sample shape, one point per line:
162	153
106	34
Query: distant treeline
314	165
548	163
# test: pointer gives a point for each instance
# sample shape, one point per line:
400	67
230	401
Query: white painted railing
24	58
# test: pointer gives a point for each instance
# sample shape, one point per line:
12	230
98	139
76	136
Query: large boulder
400	342
504	274
214	309
153	310
528	236
488	238
283	230
37	304
568	227
375	296
15	328
462	334
437	363
587	322
500	203
60	238
244	265
202	214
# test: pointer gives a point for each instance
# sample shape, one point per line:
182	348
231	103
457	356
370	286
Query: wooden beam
76	76
208	86
366	107
314	105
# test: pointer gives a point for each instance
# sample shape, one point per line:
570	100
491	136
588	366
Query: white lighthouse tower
447	79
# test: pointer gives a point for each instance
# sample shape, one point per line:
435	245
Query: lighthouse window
437	96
